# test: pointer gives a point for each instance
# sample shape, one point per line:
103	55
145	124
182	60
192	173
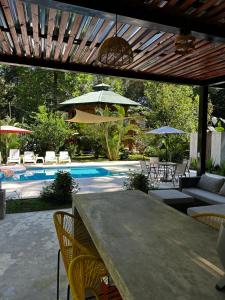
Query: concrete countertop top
151	250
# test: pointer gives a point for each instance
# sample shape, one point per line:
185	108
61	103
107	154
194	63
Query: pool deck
32	189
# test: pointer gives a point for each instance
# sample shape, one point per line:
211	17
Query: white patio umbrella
165	130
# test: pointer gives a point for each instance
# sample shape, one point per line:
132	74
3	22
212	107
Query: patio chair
64	157
87	278
188	164
50	157
144	167
14	156
211	219
74	240
179	172
29	157
154	166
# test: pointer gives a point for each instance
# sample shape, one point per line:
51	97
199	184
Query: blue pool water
49	173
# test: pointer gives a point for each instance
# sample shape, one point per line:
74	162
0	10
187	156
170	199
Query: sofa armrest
188	182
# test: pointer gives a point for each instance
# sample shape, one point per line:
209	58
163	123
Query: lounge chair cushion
215	209
203	195
222	190
210	184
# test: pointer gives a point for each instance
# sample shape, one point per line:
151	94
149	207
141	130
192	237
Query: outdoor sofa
208	189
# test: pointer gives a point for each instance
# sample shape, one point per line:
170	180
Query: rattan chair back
72	236
85	276
211	219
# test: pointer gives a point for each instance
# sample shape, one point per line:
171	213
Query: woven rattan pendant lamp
115	51
185	42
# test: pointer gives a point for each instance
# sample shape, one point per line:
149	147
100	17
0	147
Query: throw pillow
222	190
210	184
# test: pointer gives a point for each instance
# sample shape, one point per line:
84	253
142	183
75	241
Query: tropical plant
61	189
222	168
137	181
210	165
116	133
194	163
49	132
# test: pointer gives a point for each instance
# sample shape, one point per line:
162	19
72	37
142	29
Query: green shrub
60	190
222	168
194	164
137	181
210	165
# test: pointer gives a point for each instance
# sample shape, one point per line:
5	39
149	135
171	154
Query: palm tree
114	134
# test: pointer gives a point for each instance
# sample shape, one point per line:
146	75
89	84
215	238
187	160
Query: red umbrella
13	129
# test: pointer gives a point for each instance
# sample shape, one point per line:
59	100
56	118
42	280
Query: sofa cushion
215	209
203	195
210	184
222	190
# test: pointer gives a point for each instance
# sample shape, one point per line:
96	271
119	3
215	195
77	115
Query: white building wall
193	145
216	147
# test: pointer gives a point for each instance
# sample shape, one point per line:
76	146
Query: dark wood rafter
175	62
203	63
62	29
35	20
72	36
55	65
22	21
167	18
57	34
92	47
85	39
93	58
147	53
4	44
51	24
11	26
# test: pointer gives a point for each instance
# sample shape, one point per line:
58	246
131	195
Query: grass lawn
32	204
91	158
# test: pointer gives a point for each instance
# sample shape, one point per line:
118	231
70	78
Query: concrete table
171	196
151	250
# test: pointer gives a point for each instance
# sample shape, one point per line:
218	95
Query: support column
202	129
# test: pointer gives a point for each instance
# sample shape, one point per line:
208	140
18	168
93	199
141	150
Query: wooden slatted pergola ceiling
67	35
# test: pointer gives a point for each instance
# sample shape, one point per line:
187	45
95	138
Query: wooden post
202	129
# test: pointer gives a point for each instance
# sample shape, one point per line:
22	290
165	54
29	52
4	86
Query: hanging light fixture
185	42
115	51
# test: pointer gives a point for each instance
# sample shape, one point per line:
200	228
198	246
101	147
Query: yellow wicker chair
88	280
211	219
74	240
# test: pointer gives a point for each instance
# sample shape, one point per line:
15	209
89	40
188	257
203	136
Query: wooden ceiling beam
193	59
138	13
62	30
23	26
168	61
74	30
11	26
198	64
51	26
4	44
35	18
72	67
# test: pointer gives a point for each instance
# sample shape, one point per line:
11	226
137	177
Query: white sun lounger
14	156
64	157
29	157
50	157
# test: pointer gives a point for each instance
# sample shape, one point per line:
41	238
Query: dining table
166	169
151	250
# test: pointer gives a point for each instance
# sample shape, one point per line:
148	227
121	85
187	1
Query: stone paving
28	257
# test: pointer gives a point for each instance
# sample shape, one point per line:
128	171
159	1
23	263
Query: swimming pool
49	173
